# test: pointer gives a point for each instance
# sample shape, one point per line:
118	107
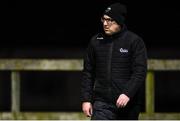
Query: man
114	71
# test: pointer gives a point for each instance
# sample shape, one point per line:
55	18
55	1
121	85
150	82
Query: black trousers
107	111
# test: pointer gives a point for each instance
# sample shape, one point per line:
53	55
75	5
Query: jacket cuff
86	100
127	93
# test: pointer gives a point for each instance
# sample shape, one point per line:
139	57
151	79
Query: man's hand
122	101
87	108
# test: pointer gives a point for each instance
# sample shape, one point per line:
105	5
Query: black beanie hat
117	11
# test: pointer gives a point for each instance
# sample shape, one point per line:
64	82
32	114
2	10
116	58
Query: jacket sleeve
88	74
139	68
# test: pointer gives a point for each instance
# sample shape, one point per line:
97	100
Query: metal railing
17	65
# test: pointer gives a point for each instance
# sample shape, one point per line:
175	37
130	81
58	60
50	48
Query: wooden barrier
16	65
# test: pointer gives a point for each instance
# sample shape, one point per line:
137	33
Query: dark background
62	29
70	24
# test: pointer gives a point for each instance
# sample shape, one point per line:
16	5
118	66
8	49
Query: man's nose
105	23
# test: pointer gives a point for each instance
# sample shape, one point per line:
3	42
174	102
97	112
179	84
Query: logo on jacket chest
123	50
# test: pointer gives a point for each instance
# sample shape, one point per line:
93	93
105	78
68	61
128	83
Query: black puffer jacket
114	65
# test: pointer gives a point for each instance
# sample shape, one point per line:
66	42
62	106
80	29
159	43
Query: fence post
15	92
150	90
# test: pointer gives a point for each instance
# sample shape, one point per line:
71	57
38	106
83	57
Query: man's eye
108	19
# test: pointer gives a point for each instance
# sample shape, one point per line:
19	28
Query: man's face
109	25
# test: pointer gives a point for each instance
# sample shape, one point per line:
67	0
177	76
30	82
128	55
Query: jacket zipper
109	68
